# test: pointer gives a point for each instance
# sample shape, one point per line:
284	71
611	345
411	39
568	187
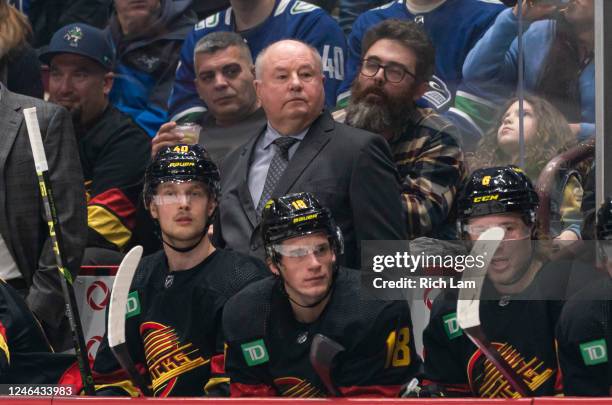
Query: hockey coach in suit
302	149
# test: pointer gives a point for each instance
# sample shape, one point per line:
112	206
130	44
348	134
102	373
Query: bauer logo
594	352
133	305
255	352
451	326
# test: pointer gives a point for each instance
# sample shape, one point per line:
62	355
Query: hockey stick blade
117	313
323	351
55	235
468	307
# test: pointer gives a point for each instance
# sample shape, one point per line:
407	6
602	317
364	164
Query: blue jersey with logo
454	27
289	19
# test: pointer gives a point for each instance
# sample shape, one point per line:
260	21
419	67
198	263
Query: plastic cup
190	131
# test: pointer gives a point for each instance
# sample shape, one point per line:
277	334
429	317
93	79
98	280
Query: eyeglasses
393	72
301	252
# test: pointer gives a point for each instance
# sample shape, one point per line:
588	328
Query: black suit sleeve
375	194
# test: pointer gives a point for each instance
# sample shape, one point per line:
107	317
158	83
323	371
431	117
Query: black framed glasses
394	73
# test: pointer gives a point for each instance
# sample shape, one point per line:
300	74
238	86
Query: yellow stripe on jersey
108	225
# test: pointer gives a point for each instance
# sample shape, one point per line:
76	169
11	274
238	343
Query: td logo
255	352
594	352
451	326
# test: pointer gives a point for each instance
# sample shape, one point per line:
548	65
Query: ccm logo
97	304
486	198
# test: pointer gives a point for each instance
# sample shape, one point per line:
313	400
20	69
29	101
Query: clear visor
170	193
302	251
511	232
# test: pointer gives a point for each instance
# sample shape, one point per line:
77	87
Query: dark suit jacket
349	170
23	224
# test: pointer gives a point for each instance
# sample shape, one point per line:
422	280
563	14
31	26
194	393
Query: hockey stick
468	307
323	351
116	316
72	312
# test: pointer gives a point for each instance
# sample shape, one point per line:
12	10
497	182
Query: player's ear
272	266
153	210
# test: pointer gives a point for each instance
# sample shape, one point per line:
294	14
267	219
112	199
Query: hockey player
514	314
270	325
25	354
262	23
584	332
173	331
453	26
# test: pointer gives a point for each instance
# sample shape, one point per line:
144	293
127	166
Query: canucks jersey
25	355
289	19
268	349
584	333
173	325
520	327
454	27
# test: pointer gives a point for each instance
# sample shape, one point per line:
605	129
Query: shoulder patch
451	326
255	352
209	22
132	305
594	352
302	7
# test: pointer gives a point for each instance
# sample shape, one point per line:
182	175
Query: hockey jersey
25	355
584	334
268	349
289	19
453	27
520	327
173	326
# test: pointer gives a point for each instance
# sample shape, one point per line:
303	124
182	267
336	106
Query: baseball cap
81	39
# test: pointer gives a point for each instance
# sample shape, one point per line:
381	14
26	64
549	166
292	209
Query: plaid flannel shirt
430	161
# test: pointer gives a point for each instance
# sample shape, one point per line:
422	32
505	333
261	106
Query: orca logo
93	297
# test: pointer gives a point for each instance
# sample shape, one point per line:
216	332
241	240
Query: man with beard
398	61
113	151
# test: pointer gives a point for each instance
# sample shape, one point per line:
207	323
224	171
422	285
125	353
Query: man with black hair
584	331
174	331
270	325
517	312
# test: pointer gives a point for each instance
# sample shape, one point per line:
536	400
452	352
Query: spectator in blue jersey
147	36
350	10
114	151
398	60
454	26
260	23
558	56
224	79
